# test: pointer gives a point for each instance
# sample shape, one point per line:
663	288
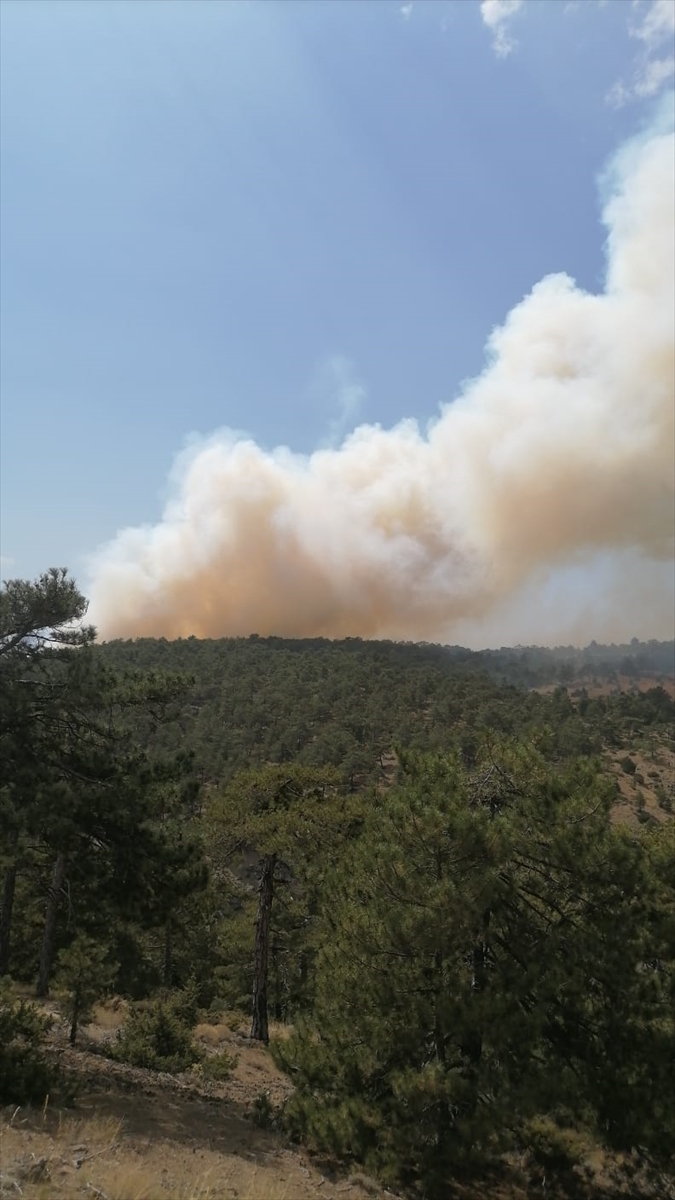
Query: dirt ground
654	776
141	1135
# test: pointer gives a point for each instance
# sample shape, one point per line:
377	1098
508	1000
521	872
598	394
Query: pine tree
492	952
297	819
80	793
85	973
35	618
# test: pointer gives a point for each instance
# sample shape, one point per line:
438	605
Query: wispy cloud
655	74
338	388
406	9
658	23
654	64
497	15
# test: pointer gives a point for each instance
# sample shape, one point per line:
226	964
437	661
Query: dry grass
280	1032
214	1035
92	1157
136	1135
232	1026
111	1016
52	1157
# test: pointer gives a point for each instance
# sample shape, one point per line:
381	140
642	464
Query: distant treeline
535	666
347	703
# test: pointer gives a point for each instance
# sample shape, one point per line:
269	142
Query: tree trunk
168	954
278	1013
47	949
259	1026
473	1041
6	917
75	1020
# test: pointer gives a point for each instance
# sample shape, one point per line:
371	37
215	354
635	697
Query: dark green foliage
229	955
218	1067
37	620
84	975
628	766
41	614
493	951
474	958
663	800
86	806
263	1112
554	1151
184	1003
346	703
296	820
159	1035
27	1073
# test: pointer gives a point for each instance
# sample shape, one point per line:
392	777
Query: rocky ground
141	1135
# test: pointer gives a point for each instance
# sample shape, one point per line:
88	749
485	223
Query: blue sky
283	218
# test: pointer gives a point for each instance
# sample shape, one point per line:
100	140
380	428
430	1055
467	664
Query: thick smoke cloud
562	451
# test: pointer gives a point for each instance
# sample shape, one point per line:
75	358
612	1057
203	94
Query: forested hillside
347	703
441	882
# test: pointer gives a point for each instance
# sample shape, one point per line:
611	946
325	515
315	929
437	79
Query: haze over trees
403	852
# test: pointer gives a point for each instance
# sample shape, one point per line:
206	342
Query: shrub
27	1075
264	1114
555	1149
159	1036
218	1067
663	799
184	1003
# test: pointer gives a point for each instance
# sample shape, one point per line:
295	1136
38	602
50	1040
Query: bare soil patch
641	794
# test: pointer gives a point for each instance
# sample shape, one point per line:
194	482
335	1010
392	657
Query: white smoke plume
561	452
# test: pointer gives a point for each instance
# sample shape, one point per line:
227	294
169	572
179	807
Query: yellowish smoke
562	450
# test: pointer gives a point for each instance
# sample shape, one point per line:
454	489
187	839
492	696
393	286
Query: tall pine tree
495	949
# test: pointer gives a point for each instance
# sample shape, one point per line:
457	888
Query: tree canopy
412	855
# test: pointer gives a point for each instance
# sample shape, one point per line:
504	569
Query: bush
555	1149
218	1067
159	1036
27	1076
663	799
264	1114
628	766
184	1003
